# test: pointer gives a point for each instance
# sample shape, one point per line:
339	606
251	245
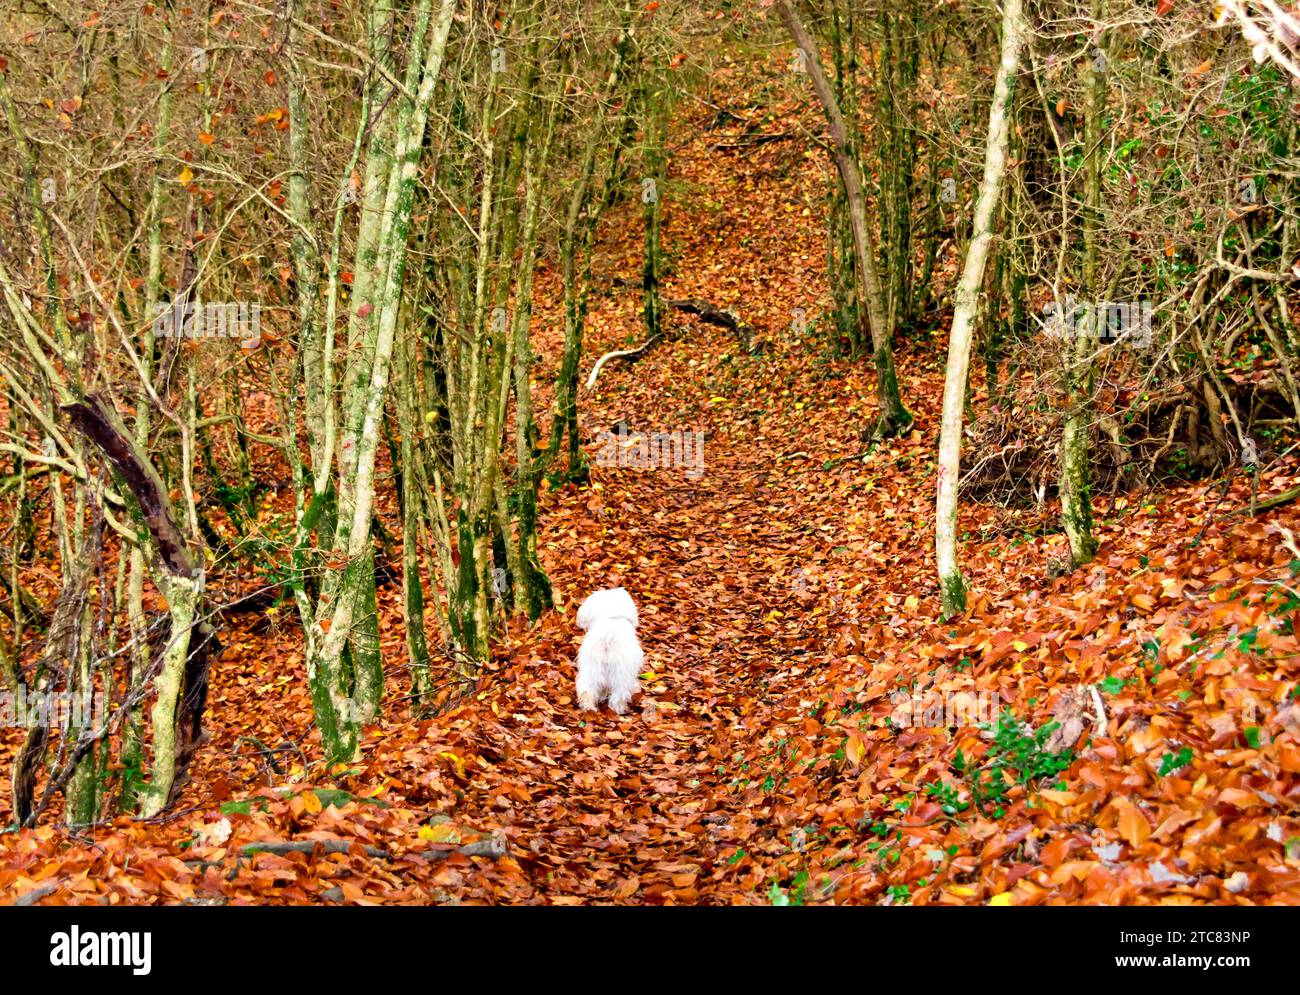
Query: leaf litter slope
787	597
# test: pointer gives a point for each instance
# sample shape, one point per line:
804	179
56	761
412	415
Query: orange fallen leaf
1133	825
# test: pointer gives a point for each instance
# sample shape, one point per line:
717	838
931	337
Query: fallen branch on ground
490	846
751	139
708	313
618	354
281	848
1277	500
712	315
36	894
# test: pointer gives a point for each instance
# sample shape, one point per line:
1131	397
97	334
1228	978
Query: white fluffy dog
610	657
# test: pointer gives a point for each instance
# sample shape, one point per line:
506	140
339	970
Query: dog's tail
609	638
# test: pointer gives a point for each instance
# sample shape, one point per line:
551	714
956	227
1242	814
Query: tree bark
951	583
181	684
344	696
1075	480
894	418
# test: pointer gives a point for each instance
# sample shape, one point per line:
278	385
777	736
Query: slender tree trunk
952	585
81	793
182	601
575	260
413	613
850	319
894	418
655	101
896	88
345	692
133	731
533	587
181	684
1075	482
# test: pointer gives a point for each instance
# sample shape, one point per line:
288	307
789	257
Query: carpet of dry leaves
786	596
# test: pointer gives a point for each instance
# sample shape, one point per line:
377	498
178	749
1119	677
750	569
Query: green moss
953	594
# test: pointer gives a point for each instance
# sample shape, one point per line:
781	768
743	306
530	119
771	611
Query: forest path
666	803
644	804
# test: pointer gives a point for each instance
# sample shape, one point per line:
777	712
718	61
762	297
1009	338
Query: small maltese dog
610	657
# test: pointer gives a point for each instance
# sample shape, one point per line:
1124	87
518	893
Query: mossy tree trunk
896	114
342	655
576	241
1081	340
848	318
655	100
893	417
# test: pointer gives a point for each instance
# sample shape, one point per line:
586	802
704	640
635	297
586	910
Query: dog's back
610	657
612	602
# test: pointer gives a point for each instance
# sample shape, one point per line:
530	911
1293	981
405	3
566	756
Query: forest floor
787	597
